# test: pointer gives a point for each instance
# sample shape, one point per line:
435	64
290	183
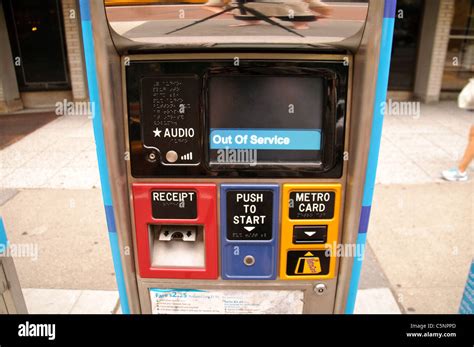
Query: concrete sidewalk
64	301
420	236
421	229
414	150
58	155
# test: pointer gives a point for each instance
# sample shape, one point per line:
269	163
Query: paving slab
423	238
434	300
7	194
64	301
372	275
376	301
50	301
96	302
14	126
59	155
69	232
414	150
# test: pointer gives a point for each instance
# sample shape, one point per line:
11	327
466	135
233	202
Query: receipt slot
176	231
237	164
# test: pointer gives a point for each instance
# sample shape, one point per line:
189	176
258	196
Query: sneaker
454	175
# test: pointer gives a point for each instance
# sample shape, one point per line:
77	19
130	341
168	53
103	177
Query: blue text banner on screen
273	139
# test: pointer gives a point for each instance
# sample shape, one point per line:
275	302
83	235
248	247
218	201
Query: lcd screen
259	120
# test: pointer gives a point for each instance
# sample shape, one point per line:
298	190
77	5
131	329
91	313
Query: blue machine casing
265	252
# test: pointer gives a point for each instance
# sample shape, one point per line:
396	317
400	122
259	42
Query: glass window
36	35
405	45
459	64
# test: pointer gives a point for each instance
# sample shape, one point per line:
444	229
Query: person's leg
246	23
459	173
468	153
301	25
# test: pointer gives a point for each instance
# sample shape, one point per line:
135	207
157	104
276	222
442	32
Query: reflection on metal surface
149	2
227	21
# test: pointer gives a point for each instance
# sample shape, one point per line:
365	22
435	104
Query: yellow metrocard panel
309	230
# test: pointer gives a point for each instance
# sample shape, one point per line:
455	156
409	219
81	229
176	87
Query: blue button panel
249	231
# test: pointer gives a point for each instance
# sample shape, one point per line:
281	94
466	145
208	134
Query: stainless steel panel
110	71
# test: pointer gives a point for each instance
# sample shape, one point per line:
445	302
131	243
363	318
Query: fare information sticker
174	204
312	204
195	301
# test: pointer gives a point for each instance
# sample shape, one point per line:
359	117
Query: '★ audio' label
170	118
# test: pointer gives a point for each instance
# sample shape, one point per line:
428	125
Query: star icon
157	132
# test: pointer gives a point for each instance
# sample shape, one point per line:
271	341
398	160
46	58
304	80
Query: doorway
36	33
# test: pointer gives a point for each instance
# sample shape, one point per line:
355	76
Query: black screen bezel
328	118
334	73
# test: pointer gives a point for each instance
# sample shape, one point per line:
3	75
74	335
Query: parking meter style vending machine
237	161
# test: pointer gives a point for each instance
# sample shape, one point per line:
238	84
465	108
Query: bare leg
301	25
246	23
468	153
214	9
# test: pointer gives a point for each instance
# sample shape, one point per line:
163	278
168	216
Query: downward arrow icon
310	233
249	228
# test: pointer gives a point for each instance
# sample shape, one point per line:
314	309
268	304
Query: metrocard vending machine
237	161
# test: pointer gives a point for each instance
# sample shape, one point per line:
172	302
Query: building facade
41	56
433	50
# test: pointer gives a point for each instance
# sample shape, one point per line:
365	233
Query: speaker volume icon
187	156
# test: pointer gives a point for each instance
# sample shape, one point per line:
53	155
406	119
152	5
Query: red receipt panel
161	208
